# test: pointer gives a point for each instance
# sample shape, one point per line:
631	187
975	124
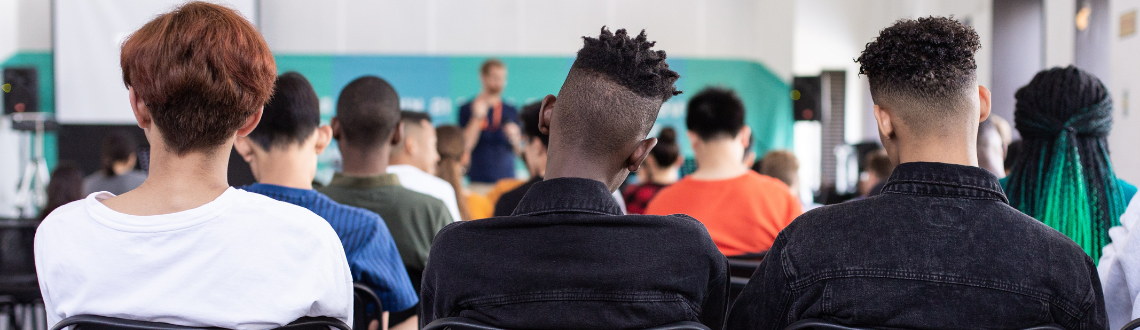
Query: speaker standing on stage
491	127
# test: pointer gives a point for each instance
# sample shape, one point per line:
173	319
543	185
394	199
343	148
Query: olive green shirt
412	217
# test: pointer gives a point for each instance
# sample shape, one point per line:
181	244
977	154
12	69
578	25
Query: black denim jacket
568	259
939	249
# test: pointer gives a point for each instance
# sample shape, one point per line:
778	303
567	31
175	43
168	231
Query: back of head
880	164
923	72
666	152
291	115
202	70
449	141
781	164
1062	174
611	97
368	111
118	146
529	119
715	113
65	186
413	121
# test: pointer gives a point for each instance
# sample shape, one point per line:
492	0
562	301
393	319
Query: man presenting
490	128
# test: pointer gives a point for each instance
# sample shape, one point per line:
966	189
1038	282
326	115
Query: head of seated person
418	146
283	149
535	143
718	134
991	149
197	79
367	125
782	165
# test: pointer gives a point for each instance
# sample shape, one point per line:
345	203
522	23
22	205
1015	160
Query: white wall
759	30
1123	84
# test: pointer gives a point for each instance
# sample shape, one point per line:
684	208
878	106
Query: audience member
367	126
742	209
452	165
784	166
415	158
118	174
64	186
282	153
879	168
1119	269
750	152
534	154
940	248
491	128
568	259
1065	177
661	169
185	247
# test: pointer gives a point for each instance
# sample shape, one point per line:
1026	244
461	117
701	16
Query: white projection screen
88	33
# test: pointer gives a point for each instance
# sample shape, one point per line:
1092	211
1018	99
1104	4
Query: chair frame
79	322
827	325
462	323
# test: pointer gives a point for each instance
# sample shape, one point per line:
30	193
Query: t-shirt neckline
157	223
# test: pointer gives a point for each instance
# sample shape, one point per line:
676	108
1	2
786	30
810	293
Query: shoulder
419	200
352	216
65	216
259	206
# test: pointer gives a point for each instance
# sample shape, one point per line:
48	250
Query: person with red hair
184	247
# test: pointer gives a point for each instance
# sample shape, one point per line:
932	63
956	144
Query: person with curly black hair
940	247
567	258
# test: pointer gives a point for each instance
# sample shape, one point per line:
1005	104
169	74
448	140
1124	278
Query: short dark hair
666	151
291	115
613	92
923	69
368	111
117	146
529	119
489	64
715	113
414	117
202	70
879	163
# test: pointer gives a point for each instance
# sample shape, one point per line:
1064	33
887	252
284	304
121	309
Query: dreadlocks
1063	176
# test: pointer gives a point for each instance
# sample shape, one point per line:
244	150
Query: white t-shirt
417	180
242	261
1119	268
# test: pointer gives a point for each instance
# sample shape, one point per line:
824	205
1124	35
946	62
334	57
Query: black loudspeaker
806	98
21	90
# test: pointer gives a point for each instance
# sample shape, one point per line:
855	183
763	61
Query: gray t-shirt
117	185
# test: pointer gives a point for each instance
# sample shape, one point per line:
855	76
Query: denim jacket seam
789	292
989	190
885	191
1065	305
564	210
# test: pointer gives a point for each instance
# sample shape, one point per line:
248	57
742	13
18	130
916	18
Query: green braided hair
1063	176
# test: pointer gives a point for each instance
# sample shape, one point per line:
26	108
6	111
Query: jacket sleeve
764	303
715	308
1096	318
380	267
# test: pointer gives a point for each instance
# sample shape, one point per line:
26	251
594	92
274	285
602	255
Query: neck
582	166
666	176
286	168
494	96
119	168
361	162
957	151
176	182
720	159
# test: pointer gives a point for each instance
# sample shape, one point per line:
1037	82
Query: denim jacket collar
944	180
568	195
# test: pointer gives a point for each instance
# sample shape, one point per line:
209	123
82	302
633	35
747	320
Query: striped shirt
371	252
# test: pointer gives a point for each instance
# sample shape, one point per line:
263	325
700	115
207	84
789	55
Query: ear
140	109
743	135
324	138
984	99
397	134
545	113
335	126
244	147
250	123
633	163
409	144
883	120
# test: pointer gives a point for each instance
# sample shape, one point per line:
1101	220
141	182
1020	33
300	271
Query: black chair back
362	297
17	261
820	324
1132	325
94	322
461	323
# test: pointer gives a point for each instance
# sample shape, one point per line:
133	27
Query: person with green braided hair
1063	176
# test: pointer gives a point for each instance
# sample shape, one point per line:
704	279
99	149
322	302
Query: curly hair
629	62
922	68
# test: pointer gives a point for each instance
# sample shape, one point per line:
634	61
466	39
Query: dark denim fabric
940	249
568	259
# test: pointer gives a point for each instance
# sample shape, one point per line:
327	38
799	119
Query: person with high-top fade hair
184	247
940	247
567	258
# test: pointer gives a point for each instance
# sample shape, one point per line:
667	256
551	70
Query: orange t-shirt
743	214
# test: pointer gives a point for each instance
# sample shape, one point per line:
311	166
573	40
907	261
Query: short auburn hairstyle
202	70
